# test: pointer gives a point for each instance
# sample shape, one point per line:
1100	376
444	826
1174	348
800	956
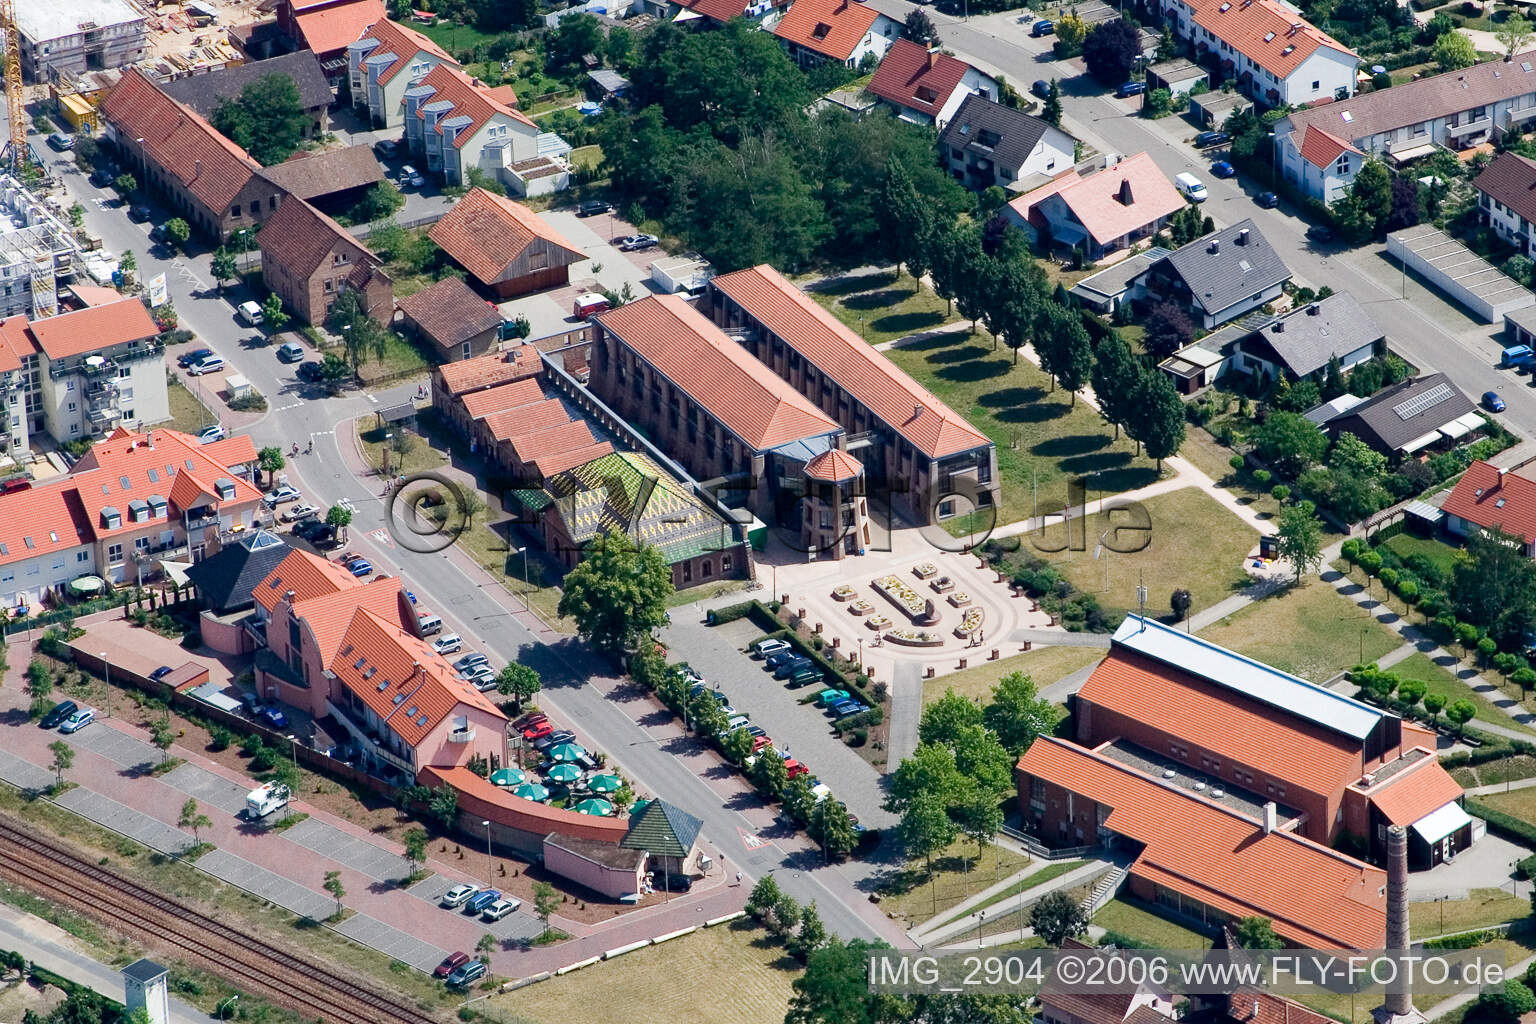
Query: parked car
303	510
1206	140
827	698
449	964
274	716
281	496
737	721
157	233
466	974
672	883
160	673
1320	233
290	352
792	666
759	742
1042	28
207	364
1190	187
1041	88
500	909
539	731
637	243
1492	402
448	644
410	176
756	731
1223	169
386	147
559	736
459	895
140	212
360	567
188	358
593	207
316	532
844	708
482	678
250	312
61	142
101	177
1130	89
469	661
1267	200
208	435
794	769
771	646
78	720
531	718
480	901
62	710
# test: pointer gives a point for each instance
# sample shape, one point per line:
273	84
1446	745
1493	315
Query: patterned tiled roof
917	78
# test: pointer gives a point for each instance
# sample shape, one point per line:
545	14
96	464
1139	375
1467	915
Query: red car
534	732
792	768
759	742
445	968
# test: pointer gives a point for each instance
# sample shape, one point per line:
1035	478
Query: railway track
284	978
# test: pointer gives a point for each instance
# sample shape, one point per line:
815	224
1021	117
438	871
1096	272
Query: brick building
454	320
307	259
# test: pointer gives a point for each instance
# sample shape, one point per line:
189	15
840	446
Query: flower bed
901	595
914	637
877	621
942	584
970	623
925	570
861	607
959	599
844	592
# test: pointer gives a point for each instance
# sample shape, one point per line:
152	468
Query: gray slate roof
228	578
1220	271
1379	422
662	830
1019	133
144	971
203	92
1305	340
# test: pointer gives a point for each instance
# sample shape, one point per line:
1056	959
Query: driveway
605	268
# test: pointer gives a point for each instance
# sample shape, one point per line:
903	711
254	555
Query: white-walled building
846	31
387	60
1506	199
1272	52
986	144
925	86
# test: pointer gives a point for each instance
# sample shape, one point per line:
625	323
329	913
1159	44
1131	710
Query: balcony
139	351
464	735
368	740
1457	131
101	418
193	521
105	369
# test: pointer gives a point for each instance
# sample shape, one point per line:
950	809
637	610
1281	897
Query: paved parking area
274	888
117	747
152	832
24	775
718	653
207	787
361	856
521	924
392	941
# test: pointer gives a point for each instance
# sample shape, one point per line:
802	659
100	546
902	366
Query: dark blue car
1492	402
1222	169
360	567
1131	89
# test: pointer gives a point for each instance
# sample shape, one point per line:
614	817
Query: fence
1039	849
364	230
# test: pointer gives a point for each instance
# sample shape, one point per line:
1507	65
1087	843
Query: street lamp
861	652
524	552
980	917
489	882
106	674
227	1006
384	452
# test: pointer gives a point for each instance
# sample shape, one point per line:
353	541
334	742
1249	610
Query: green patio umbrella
605	783
564	773
594	806
567	752
508	777
86	585
532	791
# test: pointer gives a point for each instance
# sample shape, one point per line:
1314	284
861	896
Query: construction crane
14	156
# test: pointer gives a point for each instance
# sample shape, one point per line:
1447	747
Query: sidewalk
955	920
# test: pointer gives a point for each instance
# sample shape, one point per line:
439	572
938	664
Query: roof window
1268	36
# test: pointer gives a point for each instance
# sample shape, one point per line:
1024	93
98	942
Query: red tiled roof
486	233
503	94
1316	897
1183	705
16	342
503	397
547	464
180	142
831	27
95	295
490	369
333	28
1267	33
525	419
477	796
1410	795
42	520
468	99
238	450
1486	498
301	239
402	41
1252	1006
835	465
1321	149
551	443
826	342
751	400
92	328
307	575
329	615
913	76
450	313
1095	200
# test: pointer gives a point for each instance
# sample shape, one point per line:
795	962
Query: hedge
1464	940
1507	825
770	624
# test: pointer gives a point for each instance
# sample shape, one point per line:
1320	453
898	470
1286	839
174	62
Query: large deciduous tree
267	121
1115	371
1299	538
618	592
1110	51
1290	443
1168	329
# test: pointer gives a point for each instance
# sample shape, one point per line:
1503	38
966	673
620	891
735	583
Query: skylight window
1347	116
1269	36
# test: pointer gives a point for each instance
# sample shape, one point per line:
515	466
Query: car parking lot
718	653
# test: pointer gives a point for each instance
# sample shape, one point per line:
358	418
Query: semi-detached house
925	86
1321	149
1506	199
388	59
1273	54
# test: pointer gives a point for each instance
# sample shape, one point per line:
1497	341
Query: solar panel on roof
1408	409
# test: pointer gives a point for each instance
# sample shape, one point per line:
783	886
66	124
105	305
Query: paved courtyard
363	857
209	788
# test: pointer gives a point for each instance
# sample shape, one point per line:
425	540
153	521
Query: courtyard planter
877	622
861	607
914	637
942	584
925	570
844	592
959	599
901	595
970	623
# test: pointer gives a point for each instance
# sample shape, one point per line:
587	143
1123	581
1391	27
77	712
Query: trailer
264	800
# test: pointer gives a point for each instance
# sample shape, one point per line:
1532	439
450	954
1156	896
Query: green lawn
187	413
1135	921
1194	543
400	357
1489	773
418	457
883	307
1052	870
1042	438
452	36
1311	631
1044	665
1439	552
1484	908
587	156
1442	680
912	896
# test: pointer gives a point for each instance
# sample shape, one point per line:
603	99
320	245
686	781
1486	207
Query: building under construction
37	253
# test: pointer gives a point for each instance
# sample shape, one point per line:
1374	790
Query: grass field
1519	802
729	974
1311	631
187	413
1212	458
452	36
400	357
1044	665
1441	680
1042	438
1441	553
1485	907
1508	769
883	307
587	156
418	457
1134	921
1053	870
1193	543
912	896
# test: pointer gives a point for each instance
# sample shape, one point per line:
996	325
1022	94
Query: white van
429	624
1190	187
250	312
263	801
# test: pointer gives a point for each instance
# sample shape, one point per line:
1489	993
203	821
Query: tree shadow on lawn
850	284
1028	410
1072	444
882	299
908	323
973	370
1009	398
942	350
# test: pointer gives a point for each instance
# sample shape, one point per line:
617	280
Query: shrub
1237	462
1261	477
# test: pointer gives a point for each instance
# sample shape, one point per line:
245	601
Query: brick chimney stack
1398	1007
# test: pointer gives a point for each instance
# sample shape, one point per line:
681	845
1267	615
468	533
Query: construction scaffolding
37	252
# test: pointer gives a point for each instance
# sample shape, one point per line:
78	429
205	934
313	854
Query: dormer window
138	511
111	518
224	487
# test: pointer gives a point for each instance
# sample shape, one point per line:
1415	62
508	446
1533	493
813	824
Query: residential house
504	245
59	38
455	125
449	316
332	180
1490	498
1208	358
226	584
307	260
1102	212
327	28
1219	277
452	382
986	144
918	453
210	182
1271	52
204	92
925	86
1277	747
1456	110
1411	416
386	60
1116	285
1303	343
700	396
847	31
1506	199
